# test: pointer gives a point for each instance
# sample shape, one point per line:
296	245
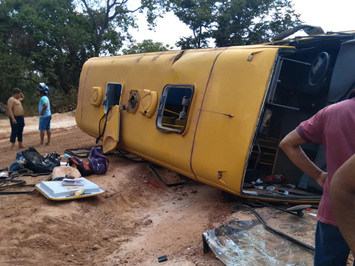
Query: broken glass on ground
247	242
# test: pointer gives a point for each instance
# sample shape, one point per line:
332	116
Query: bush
60	102
63	102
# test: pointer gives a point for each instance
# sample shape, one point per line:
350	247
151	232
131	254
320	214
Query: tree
44	40
49	40
146	46
12	65
233	22
111	19
199	16
252	21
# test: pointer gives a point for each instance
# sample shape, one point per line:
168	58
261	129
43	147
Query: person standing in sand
45	114
333	127
16	115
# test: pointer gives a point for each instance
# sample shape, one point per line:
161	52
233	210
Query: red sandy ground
132	223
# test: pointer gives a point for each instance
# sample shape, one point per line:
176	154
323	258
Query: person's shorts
45	123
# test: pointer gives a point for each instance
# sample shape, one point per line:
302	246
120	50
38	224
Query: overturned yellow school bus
218	115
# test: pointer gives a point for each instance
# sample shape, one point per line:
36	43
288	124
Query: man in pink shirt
334	128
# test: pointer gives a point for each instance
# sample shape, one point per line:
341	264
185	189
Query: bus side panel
229	116
95	73
139	134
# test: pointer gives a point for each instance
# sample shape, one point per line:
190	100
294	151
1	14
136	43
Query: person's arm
44	108
22	97
10	105
342	194
291	146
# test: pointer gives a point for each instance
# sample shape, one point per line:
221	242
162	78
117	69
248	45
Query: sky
331	15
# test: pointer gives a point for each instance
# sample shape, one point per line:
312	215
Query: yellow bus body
201	113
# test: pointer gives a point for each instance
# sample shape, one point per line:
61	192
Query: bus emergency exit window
174	105
112	95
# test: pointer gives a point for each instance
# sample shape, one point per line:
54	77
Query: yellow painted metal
229	87
148	102
111	134
96	96
229	116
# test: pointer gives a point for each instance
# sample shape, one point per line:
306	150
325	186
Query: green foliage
49	40
30	103
145	47
233	22
44	41
110	20
60	101
63	102
198	15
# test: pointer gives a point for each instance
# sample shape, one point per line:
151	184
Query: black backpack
38	163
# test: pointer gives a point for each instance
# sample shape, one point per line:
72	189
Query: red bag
83	168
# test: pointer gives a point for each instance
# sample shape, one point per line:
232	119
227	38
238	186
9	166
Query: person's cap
16	90
43	88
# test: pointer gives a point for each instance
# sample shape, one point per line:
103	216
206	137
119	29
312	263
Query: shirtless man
17	121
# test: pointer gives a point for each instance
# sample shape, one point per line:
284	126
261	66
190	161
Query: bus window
174	107
112	96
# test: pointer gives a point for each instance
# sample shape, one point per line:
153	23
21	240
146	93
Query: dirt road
135	221
132	223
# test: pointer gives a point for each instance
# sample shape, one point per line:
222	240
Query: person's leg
21	124
13	134
331	248
48	137
48	129
42	128
42	137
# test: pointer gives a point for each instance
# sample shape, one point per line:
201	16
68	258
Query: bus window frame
173	128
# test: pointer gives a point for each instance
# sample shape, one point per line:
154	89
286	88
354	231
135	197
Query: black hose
134	159
103	130
9	182
277	208
151	166
270	229
17	192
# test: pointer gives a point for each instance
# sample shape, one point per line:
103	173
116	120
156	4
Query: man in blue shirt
45	114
